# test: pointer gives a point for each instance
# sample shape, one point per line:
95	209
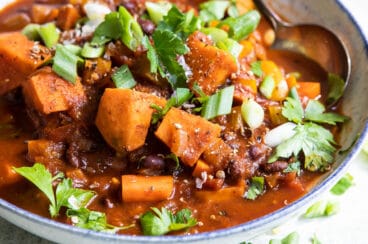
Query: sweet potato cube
218	154
49	93
45	148
210	65
187	135
124	116
19	57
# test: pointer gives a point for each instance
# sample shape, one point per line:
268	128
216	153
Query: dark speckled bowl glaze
328	13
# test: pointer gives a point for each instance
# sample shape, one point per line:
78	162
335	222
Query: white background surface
350	225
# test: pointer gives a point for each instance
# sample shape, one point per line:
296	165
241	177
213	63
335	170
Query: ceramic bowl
329	13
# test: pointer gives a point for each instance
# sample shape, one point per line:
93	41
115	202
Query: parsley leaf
293	110
315	111
292	238
343	184
161	222
256	188
321	209
93	220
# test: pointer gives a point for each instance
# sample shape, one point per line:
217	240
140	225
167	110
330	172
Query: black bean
147	26
153	162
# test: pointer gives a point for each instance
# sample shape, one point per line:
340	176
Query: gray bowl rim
245	227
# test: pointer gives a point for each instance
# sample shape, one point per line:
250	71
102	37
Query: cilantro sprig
256	188
158	222
65	195
316	142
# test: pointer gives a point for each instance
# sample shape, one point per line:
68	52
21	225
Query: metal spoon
314	41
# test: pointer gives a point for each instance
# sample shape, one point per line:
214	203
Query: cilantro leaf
292	238
321	209
42	178
293	167
256	188
180	96
336	87
315	142
161	222
70	197
119	26
343	184
293	110
315	111
92	220
168	46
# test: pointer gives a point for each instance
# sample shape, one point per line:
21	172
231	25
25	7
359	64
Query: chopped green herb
119	26
49	34
219	103
292	238
256	188
75	49
215	34
180	96
315	111
123	78
335	88
90	51
293	167
293	110
92	220
161	222
343	184
315	142
231	46
175	158
314	240
65	63
321	209
240	27
256	68
152	56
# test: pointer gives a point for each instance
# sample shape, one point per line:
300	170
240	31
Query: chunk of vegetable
209	64
309	89
49	93
187	135
252	113
124	116
19	57
136	188
68	17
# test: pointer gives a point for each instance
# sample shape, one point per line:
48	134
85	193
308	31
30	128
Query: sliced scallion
65	63
49	34
267	86
252	113
31	31
90	51
75	49
157	10
132	33
216	34
231	46
123	78
218	104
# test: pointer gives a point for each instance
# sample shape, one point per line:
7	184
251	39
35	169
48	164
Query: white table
348	226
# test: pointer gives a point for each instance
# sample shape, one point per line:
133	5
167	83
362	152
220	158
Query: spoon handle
268	13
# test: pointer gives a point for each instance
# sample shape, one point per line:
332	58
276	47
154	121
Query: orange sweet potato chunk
187	135
210	65
19	57
124	116
49	93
